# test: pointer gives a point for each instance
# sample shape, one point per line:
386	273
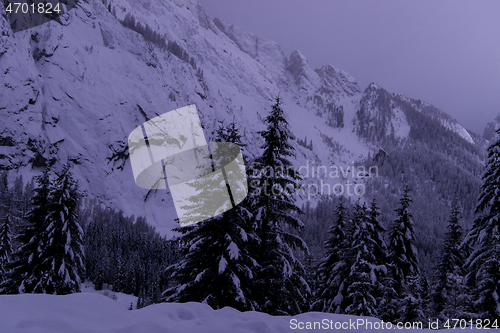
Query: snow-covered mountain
381	115
76	87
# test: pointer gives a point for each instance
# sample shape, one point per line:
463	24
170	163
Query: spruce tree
426	296
333	269
24	267
120	277
379	249
5	225
5	241
362	281
18	204
98	277
311	268
368	264
377	235
484	262
216	266
488	281
281	279
61	256
403	256
403	264
411	305
448	298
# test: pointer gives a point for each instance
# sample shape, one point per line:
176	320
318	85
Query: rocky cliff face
489	131
75	88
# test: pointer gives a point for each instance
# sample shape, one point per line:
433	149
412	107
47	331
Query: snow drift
94	313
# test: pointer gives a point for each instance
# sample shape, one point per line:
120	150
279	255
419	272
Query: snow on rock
304	76
94	313
247	42
337	82
384	112
459	129
491	127
265	51
378	117
443	118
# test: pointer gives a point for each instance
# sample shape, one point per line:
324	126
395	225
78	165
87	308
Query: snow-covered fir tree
411	306
426	295
334	266
311	266
122	251
281	279
450	297
98	279
61	255
5	225
24	268
403	260
362	281
5	240
120	278
368	268
379	248
403	256
488	277
216	266
377	236
19	204
484	262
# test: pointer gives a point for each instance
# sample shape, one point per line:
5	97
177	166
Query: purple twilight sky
445	52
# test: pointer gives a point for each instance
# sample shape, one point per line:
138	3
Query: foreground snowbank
95	313
125	300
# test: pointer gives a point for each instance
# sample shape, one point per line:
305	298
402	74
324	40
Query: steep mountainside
428	150
76	87
491	127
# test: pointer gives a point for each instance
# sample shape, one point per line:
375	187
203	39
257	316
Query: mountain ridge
74	89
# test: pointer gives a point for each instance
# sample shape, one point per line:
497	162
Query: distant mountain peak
337	81
382	114
373	86
490	129
298	66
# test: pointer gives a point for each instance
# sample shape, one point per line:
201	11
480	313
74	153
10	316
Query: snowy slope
443	118
94	313
76	88
381	114
125	300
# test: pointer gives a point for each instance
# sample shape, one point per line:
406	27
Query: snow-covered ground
124	300
95	313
